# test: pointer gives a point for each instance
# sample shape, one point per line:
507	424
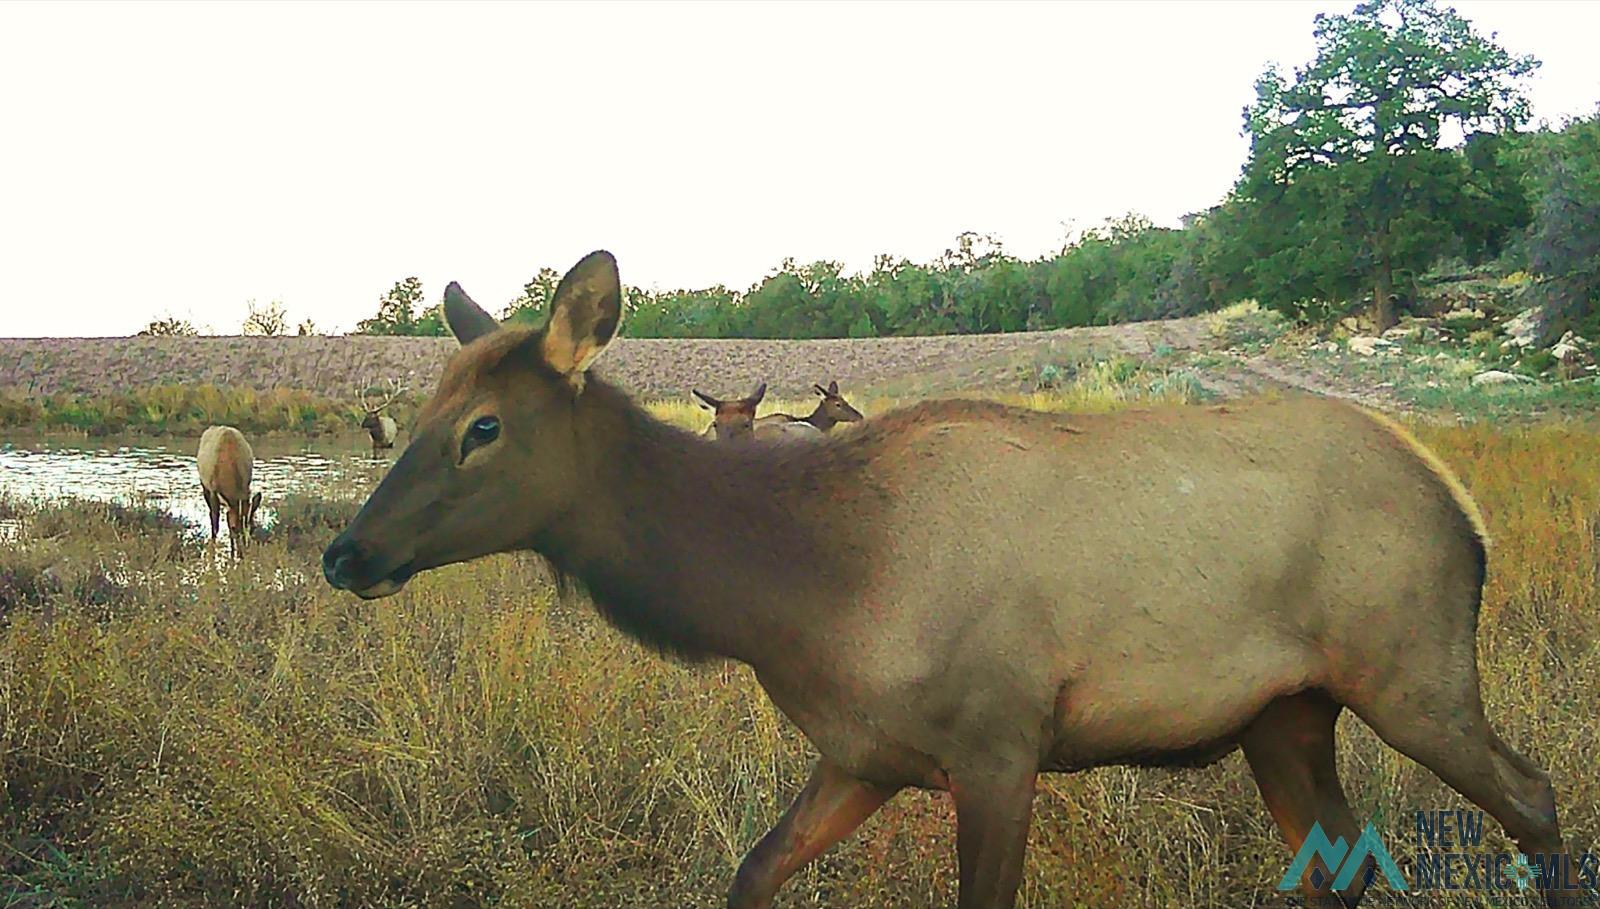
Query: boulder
1367	345
1569	347
1497	377
1573	356
1523	329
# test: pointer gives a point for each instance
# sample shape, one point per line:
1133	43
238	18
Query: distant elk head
732	419
832	409
378	424
226	463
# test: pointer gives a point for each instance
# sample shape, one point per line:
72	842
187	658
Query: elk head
373	422
834	406
498	453
242	522
735	419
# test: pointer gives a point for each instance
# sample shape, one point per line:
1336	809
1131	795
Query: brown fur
732	420
225	463
831	410
382	429
1009	592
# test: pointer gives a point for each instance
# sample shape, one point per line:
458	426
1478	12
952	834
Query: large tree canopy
1390	83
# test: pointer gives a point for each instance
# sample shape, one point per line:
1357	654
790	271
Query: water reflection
162	474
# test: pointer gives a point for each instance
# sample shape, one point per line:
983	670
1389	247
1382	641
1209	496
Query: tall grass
184	409
243	735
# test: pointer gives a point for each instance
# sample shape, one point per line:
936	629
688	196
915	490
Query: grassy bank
176	731
182	410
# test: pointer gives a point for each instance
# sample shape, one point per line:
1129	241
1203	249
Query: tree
265	320
529	306
1564	241
1387	82
169	327
397	310
307	328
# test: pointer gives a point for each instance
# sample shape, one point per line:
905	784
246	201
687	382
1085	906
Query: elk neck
703	549
820	419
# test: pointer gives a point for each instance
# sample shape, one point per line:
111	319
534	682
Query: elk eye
482	431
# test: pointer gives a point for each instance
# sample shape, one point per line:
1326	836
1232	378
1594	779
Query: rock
1367	345
1523	329
1356	325
1573	357
1463	314
1399	333
1570	346
1497	377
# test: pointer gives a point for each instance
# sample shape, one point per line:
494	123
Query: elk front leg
993	811
216	511
829	808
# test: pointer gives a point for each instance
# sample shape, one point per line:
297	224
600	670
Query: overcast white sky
185	158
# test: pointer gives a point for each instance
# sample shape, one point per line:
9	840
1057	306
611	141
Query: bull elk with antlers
1011	592
378	424
225	463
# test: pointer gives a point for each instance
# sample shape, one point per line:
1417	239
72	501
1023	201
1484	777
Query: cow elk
1009	592
378	424
830	411
731	420
226	463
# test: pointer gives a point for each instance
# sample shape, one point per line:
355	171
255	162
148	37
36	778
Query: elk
379	425
733	419
1012	592
830	411
225	463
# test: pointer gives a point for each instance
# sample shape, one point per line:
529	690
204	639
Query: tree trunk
1383	287
1383	316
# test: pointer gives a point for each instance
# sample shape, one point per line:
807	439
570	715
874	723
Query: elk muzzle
346	566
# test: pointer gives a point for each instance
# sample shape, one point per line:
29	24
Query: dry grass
247	736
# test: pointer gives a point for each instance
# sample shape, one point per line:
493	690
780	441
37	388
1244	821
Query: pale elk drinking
831	410
226	463
1010	592
379	425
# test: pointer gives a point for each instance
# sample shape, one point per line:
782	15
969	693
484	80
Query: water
162	473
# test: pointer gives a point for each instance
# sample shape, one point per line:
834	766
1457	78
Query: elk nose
339	562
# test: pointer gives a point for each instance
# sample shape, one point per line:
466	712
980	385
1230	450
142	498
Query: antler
396	389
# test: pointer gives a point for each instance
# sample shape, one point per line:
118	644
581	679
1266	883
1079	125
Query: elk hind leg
1437	720
831	806
1290	749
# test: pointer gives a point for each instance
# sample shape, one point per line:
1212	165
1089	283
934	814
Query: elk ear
706	400
820	390
466	319
757	395
583	316
833	387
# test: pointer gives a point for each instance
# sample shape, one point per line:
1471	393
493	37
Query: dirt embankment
335	366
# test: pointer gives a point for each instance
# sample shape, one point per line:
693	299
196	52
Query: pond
161	471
